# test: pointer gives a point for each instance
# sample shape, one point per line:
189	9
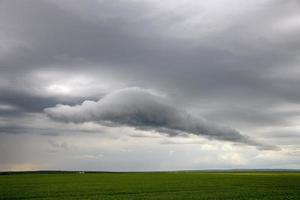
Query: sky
145	85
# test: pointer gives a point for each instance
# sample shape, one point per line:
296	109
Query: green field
180	185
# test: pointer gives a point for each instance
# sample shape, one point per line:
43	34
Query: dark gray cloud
108	35
234	64
24	102
144	110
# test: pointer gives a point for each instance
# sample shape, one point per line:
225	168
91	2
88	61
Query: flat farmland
152	185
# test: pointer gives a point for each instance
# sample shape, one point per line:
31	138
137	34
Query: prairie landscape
152	185
151	99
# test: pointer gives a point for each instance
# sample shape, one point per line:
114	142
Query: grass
180	185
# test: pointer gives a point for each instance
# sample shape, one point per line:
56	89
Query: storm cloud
218	70
146	110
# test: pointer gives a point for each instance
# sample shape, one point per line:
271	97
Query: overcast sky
149	85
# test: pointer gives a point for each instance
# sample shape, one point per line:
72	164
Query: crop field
172	185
